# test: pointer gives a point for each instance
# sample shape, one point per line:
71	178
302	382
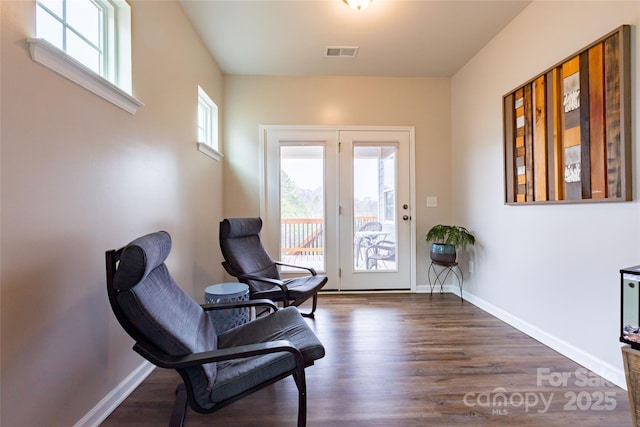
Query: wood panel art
567	132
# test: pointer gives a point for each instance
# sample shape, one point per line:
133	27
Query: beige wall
80	176
552	270
377	101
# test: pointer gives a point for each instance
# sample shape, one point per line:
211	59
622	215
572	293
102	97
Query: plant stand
438	269
631	361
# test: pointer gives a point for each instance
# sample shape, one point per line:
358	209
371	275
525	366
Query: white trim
205	148
446	288
56	60
330	128
110	402
122	48
607	371
265	129
211	126
413	210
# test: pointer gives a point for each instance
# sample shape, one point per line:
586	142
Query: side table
438	269
227	292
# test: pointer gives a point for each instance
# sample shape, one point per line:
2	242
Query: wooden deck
398	360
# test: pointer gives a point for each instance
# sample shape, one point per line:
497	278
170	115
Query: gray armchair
172	331
248	261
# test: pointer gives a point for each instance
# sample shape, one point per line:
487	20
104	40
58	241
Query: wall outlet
432	201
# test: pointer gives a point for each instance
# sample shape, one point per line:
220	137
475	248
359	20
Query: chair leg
179	407
313	307
302	398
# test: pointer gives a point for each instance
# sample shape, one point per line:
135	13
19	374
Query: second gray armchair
248	261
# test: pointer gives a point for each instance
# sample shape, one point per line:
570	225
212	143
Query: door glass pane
374	207
302	233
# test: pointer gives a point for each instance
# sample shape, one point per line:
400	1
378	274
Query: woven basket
631	360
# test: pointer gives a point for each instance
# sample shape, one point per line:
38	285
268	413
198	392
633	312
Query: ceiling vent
341	51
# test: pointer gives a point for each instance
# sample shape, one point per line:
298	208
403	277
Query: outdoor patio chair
248	261
382	251
172	331
364	237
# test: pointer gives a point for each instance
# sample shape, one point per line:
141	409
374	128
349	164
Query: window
88	42
207	125
79	28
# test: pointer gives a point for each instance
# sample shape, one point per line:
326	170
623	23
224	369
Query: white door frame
265	129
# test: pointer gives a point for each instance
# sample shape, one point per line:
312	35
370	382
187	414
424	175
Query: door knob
405	217
405	206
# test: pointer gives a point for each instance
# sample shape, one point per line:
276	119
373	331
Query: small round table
227	318
446	268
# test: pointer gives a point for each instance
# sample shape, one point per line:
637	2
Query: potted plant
446	239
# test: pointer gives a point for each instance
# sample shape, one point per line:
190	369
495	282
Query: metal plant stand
439	272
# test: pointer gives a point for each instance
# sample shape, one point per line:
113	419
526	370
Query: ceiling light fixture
358	4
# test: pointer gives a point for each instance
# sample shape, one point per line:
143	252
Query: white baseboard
448	289
605	370
115	397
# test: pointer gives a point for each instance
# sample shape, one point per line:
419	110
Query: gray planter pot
443	253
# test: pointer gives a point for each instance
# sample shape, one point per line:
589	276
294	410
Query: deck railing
301	236
304	236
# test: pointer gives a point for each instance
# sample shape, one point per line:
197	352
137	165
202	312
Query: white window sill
53	58
209	151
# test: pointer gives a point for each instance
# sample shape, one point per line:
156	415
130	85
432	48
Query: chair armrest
196	359
246	277
262	279
242	276
309	269
276	282
239	304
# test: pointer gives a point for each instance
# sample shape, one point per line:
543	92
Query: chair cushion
231	228
161	311
299	288
243	251
286	323
141	257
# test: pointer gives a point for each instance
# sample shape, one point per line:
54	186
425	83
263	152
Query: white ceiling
425	38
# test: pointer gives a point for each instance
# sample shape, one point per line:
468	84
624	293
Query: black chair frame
286	299
184	394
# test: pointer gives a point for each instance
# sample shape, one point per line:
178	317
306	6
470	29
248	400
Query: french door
375	210
340	201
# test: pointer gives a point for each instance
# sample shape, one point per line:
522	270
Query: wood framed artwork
567	132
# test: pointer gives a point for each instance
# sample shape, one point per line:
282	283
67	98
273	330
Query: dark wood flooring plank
407	360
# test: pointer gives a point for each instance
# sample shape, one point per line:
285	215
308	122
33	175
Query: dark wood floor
405	360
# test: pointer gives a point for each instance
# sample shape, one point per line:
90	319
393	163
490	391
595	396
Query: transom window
88	42
80	28
207	124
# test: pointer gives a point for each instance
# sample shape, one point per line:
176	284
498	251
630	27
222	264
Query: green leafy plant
454	235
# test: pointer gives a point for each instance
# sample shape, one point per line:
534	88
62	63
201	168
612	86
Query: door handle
406	217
